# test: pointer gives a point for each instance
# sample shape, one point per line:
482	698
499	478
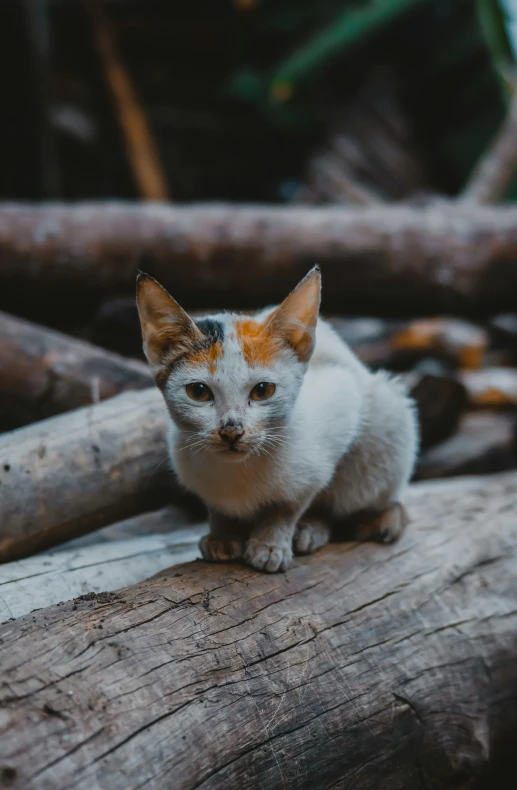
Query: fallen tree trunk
122	554
68	475
387	259
362	666
43	373
484	442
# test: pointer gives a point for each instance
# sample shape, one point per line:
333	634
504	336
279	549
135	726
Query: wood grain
362	667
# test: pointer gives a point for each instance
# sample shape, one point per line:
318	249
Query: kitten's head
229	381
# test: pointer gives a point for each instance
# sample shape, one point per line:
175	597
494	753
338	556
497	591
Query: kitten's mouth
233	451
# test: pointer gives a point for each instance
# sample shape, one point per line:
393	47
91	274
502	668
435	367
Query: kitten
277	426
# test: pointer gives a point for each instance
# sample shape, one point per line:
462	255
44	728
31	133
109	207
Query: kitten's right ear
167	330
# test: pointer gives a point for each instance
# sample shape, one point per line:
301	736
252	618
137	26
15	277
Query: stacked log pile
404	653
461	372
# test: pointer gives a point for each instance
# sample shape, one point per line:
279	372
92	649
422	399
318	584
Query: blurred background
251	100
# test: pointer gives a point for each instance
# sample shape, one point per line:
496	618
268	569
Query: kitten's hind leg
310	535
385	526
225	541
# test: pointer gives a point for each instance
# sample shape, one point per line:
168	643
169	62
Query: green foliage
453	56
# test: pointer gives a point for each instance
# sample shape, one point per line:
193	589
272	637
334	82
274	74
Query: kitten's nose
231	431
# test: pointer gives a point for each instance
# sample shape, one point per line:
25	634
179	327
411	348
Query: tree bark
121	554
387	260
43	373
363	666
67	475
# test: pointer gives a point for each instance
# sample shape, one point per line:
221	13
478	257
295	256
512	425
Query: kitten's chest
236	488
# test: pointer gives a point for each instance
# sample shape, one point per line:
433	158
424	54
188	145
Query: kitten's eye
262	391
198	391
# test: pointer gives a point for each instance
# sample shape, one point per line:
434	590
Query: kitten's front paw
220	549
309	536
267	556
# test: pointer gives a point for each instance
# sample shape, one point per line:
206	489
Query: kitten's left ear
295	319
167	330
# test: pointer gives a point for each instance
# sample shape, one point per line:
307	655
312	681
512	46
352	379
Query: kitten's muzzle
231	432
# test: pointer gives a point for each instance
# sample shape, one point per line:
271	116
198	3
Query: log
387	260
459	342
363	666
71	474
485	442
490	387
122	554
43	373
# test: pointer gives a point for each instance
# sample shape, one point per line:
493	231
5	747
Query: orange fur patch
208	356
259	345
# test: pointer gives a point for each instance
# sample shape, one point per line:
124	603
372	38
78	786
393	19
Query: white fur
345	437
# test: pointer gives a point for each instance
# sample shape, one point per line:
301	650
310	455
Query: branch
492	175
139	141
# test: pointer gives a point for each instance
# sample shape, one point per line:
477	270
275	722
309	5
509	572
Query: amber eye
262	391
199	391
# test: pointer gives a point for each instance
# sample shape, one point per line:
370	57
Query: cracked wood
362	667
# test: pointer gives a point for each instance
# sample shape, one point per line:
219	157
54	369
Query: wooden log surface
116	556
385	260
363	666
81	471
484	442
43	372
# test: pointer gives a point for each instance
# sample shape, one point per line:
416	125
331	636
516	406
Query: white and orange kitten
277	426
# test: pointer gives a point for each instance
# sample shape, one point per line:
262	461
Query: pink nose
231	432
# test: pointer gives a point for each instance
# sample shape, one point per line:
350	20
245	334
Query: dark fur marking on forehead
211	328
205	348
